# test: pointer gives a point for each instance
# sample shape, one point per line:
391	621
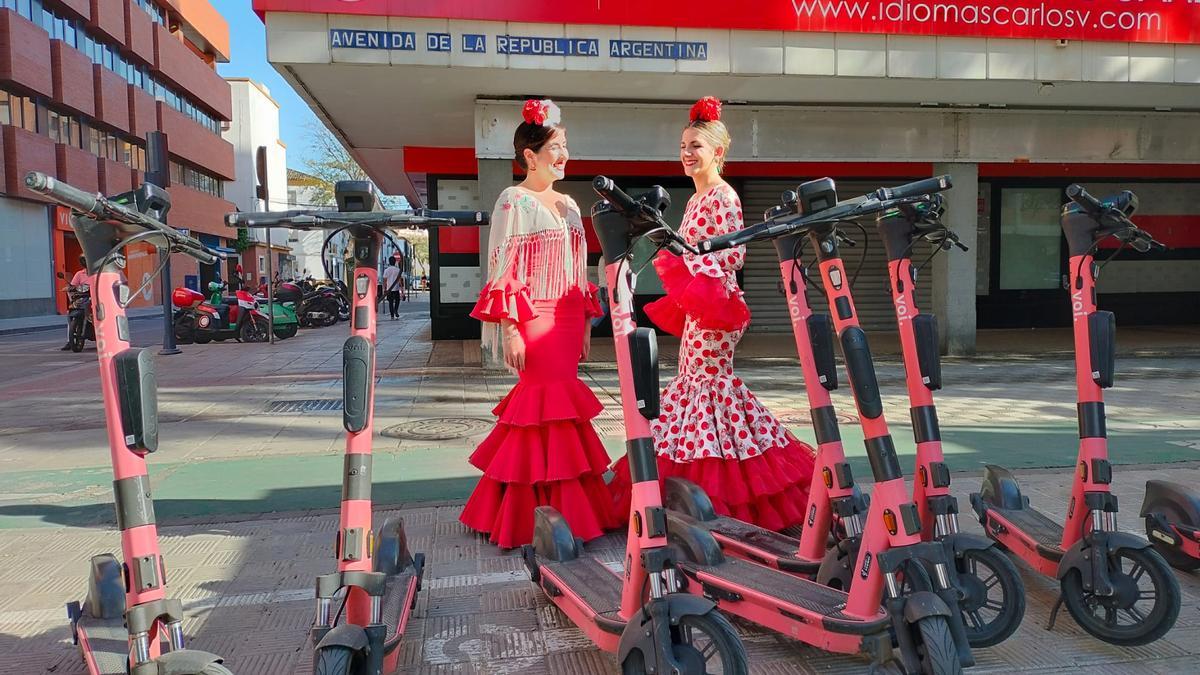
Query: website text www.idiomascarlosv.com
1013	14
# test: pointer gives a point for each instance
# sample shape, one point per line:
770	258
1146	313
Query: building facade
307	245
81	84
1015	100
255	124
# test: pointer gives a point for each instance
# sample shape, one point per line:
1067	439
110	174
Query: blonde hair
715	134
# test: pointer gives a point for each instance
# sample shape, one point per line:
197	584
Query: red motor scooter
121	625
377	578
1114	584
237	317
904	590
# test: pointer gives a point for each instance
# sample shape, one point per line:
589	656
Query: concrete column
494	176
954	271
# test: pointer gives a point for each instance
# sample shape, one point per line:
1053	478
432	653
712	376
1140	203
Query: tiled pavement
246	577
247	588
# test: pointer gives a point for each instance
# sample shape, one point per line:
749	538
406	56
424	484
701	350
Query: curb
60	326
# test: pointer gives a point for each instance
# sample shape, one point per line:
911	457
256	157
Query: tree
329	162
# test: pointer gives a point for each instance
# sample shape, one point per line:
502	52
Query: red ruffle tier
504	299
700	296
769	489
543	451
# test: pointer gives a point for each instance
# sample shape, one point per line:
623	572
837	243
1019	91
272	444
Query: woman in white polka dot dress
712	430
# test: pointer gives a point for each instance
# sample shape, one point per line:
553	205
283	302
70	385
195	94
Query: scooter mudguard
1001	489
923	604
649	630
1179	496
346	635
694	543
1097	546
552	536
684	496
106	588
959	543
181	662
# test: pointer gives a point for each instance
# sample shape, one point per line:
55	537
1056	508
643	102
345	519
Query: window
28	115
1030	238
53	117
6	112
24	9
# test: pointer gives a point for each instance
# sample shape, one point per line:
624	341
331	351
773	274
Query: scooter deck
107	641
759	544
594	583
1037	526
827	603
398	596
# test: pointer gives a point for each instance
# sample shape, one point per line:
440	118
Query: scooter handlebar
64	194
97	207
1089	204
927	186
607	188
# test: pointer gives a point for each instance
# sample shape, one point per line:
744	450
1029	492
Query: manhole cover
304	405
439	429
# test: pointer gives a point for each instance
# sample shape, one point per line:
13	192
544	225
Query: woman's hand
587	341
514	346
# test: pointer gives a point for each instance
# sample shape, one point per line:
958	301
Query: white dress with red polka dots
712	430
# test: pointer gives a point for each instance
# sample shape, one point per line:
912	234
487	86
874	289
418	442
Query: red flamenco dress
712	430
543	450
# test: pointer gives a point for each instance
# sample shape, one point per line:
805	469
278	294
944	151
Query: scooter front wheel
939	655
334	660
1143	607
701	643
215	669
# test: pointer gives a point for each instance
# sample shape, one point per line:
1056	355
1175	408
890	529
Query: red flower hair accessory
542	112
707	109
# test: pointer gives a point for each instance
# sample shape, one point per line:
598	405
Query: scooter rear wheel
994	596
285	332
1138	575
334	660
703	643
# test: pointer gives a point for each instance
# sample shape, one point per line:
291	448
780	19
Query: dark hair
532	137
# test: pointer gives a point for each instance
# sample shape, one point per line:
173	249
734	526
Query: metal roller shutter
872	294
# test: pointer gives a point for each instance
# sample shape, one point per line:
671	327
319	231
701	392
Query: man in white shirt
391	287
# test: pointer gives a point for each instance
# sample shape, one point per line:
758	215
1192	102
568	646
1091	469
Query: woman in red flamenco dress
535	308
712	430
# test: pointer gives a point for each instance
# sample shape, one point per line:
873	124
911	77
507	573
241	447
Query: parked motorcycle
316	307
237	317
80	327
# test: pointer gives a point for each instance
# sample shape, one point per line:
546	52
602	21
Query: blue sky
248	42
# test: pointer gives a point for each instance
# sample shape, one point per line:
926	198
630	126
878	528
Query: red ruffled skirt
544	450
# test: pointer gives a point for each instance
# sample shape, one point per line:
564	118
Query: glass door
1027	259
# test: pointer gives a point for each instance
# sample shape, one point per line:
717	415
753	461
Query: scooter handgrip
64	194
460	217
1080	196
921	187
606	188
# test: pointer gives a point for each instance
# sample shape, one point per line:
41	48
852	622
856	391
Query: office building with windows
81	85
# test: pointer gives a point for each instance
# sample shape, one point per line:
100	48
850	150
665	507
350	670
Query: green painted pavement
223	487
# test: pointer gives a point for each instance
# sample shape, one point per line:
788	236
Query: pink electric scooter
1115	585
121	625
904	591
377	578
637	615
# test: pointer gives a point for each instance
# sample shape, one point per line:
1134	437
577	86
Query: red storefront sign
1167	21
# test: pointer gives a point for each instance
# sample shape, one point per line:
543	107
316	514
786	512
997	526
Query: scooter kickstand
1054	612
